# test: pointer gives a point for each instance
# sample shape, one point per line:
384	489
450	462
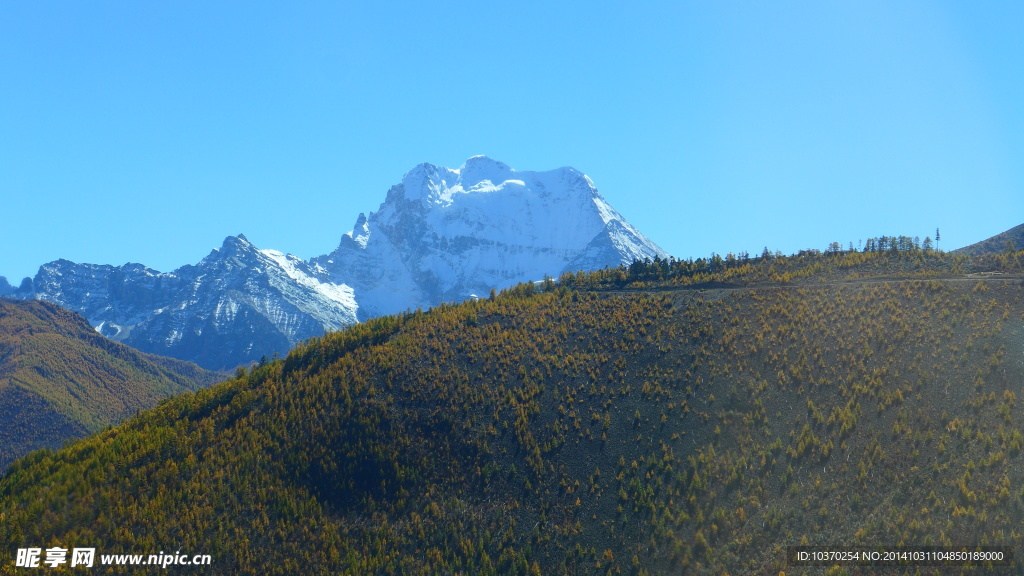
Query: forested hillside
1009	241
669	417
59	379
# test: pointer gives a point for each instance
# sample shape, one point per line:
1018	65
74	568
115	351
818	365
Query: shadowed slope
60	379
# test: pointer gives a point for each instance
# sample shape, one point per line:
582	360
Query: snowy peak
443	234
360	233
485	199
239	242
429	185
237	304
233	246
424	184
481	169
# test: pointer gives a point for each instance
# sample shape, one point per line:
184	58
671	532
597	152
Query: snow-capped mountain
446	234
441	235
237	305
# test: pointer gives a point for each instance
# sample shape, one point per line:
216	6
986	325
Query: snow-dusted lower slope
445	234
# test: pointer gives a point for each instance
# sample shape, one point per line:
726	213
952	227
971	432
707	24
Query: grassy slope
577	431
61	379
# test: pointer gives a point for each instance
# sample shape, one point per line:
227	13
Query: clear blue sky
147	132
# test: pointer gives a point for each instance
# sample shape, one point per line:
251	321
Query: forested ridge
671	416
60	379
1007	241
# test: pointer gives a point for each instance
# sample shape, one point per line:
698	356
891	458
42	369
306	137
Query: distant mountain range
59	379
441	235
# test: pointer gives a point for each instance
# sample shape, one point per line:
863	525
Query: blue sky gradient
147	133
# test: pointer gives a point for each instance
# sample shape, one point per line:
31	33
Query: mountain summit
236	305
447	234
441	235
